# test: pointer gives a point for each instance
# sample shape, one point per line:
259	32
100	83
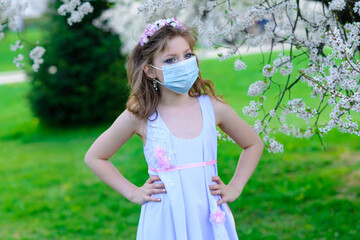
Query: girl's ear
149	71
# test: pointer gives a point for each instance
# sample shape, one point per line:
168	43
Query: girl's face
177	50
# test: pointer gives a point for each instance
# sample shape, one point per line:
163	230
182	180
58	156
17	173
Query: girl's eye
189	55
173	60
170	60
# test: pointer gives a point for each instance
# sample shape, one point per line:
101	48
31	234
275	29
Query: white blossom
258	126
75	17
16	46
68	6
17	60
285	129
224	136
36	55
52	69
331	101
309	132
284	63
225	56
283	118
252	109
357	8
272	113
76	9
218	134
12	11
4	4
150	7
297	106
273	145
239	65
85	8
256	88
337	5
269	70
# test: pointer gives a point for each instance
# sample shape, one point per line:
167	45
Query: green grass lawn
47	191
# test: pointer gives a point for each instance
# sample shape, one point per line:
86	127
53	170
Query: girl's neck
171	99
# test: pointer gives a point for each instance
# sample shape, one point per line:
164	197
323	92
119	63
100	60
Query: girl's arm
106	145
230	122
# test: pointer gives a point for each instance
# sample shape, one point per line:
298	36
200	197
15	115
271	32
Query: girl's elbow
259	142
261	147
88	158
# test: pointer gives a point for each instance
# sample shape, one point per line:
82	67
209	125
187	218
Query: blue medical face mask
179	77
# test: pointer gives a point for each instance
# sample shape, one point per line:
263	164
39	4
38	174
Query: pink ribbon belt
190	165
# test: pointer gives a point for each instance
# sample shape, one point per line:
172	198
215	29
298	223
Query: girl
175	113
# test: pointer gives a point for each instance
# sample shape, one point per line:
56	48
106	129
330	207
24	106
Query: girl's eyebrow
173	54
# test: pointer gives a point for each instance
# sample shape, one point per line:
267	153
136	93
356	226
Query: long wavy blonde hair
144	99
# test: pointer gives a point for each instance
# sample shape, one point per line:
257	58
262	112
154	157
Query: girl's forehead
176	42
175	45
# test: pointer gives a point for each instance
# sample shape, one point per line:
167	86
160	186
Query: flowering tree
11	10
328	45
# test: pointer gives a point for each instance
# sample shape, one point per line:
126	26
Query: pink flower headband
152	28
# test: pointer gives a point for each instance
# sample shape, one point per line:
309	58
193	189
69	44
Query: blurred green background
48	192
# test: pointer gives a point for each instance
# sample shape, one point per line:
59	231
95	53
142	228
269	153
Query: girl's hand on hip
228	193
143	194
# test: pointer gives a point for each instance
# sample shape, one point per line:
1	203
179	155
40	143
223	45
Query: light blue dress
187	210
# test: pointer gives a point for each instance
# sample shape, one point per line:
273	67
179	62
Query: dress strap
207	109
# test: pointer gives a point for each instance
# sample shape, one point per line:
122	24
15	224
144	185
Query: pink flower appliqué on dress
218	217
163	161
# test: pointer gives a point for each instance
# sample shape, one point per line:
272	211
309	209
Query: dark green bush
90	84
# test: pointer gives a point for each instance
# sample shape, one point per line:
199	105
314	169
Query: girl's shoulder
131	117
134	123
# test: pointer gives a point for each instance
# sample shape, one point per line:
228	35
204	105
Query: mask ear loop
155	67
155	81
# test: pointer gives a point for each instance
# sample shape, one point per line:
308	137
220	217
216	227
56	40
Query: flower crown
152	28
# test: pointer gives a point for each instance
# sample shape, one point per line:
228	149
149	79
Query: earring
155	84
